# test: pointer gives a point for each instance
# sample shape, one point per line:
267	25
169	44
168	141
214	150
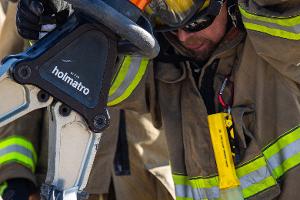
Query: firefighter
243	60
149	171
239	57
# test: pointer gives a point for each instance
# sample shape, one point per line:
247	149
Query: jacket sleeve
19	147
273	27
134	88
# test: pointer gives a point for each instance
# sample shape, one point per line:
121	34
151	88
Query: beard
199	48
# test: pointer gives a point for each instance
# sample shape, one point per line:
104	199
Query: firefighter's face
203	42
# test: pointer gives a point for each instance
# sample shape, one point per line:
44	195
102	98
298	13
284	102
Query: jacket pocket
244	124
260	184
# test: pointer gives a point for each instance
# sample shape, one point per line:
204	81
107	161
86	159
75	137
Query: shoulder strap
234	14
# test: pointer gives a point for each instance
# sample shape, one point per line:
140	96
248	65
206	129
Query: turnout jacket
24	145
262	64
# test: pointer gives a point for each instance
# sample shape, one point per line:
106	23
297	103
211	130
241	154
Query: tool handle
119	24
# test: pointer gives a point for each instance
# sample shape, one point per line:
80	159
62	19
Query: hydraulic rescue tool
69	71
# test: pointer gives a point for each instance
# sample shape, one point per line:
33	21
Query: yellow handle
223	155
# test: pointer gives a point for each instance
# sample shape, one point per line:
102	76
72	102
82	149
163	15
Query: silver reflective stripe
282	27
196	193
133	70
183	191
208	193
17	148
285	153
254	177
292	29
276	160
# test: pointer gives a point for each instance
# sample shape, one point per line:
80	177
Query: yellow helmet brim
174	13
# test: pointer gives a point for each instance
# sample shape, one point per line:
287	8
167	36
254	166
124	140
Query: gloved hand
18	189
32	15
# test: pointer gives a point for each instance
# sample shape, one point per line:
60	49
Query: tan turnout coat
265	78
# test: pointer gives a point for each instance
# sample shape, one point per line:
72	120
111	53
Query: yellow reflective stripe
288	28
251	166
180	179
288	138
205	182
258	187
250	183
286	165
282	21
16	140
284	153
3	187
272	31
255	176
17	149
185	198
196	191
196	182
138	77
257	181
19	158
121	75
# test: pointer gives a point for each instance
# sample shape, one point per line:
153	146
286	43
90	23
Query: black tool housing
74	64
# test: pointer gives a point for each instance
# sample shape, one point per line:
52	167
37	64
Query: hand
18	189
33	14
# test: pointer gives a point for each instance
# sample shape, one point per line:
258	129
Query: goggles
203	19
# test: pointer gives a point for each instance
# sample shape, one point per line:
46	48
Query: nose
183	35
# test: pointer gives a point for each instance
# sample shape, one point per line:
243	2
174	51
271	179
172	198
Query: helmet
191	15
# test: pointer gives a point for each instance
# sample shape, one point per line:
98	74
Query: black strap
121	161
207	87
234	14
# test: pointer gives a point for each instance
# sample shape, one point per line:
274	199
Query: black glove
32	14
18	189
